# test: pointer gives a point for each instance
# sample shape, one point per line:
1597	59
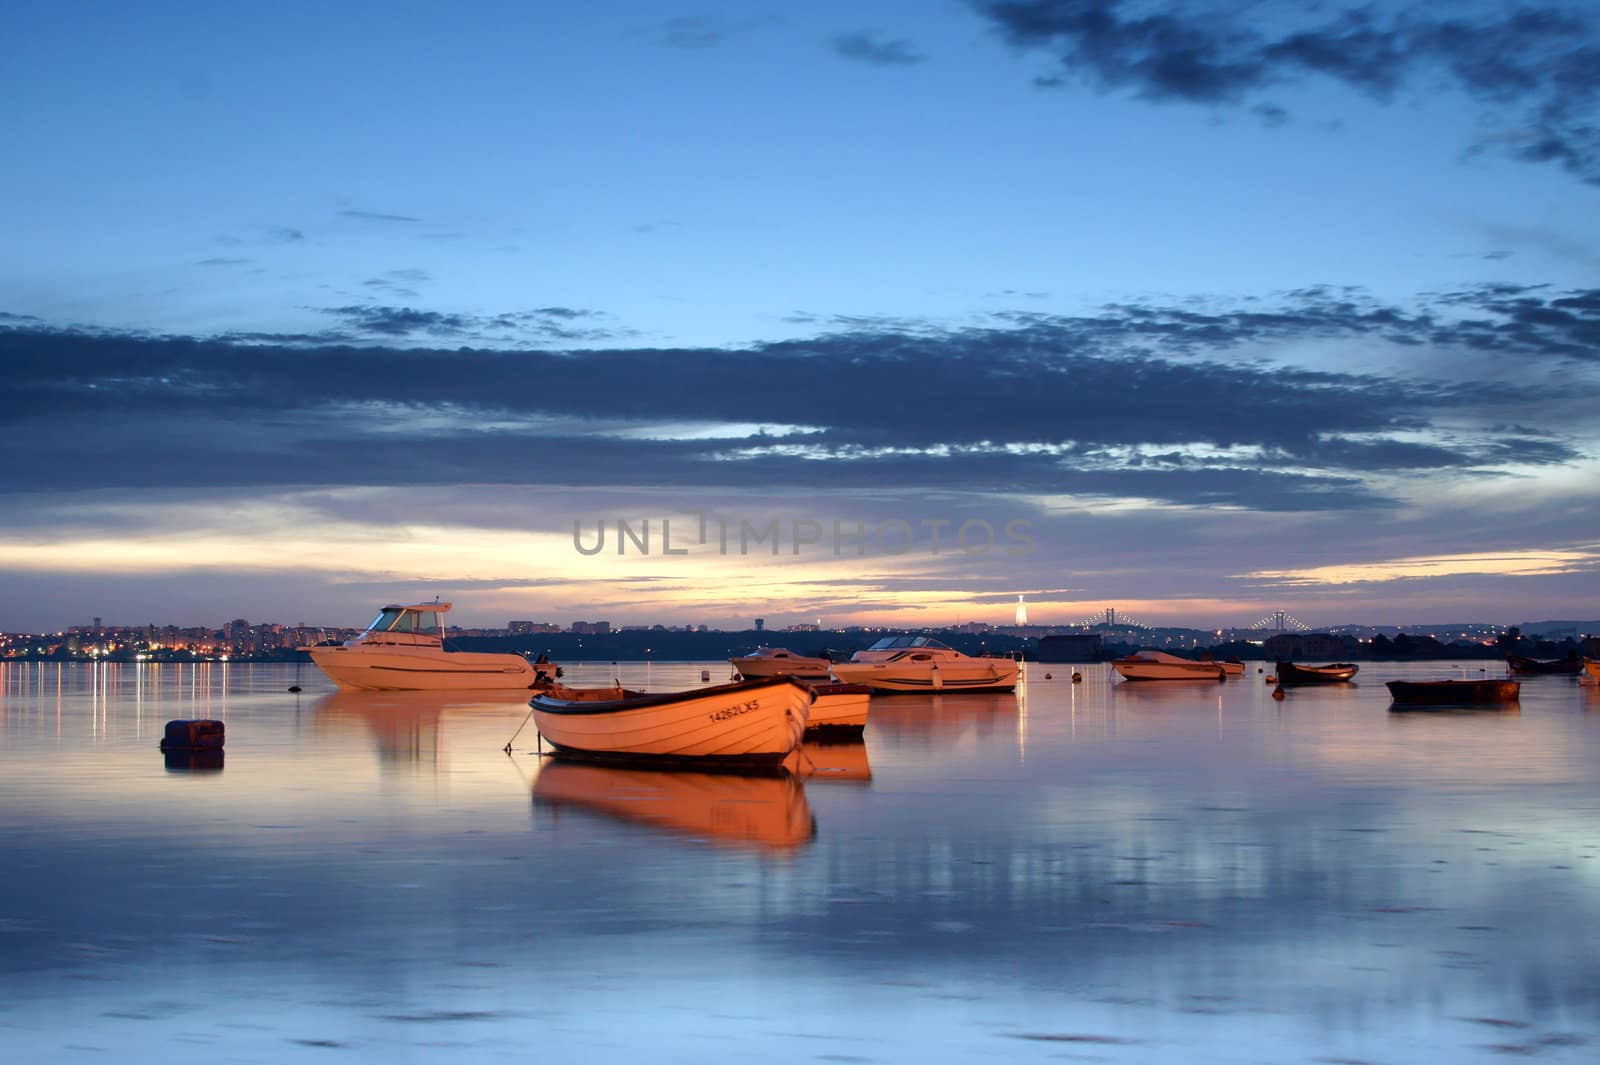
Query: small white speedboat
1158	665
780	662
839	707
923	664
403	650
748	721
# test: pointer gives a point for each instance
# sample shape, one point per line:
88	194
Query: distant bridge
1281	621
1113	619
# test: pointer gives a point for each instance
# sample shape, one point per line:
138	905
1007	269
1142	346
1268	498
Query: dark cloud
1270	115
265	236
692	31
1540	65
1144	401
546	324
870	47
402	321
377	216
400	284
1524	319
1553	243
699	32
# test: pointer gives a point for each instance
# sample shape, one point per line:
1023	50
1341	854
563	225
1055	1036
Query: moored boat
839	707
403	650
1592	667
780	662
1158	665
1332	673
1447	693
923	664
750	721
1570	667
763	811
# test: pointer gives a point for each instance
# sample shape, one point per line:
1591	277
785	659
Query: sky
1198	309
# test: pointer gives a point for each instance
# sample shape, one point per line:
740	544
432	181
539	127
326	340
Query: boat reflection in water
825	761
406	726
758	811
919	720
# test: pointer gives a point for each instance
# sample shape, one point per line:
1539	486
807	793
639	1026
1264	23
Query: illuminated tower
1022	611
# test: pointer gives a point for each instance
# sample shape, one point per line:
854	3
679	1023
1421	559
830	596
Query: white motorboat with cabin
780	662
1158	665
403	650
923	664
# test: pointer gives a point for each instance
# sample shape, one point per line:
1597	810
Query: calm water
1103	872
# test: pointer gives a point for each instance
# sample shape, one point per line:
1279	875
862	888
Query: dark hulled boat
1408	693
1333	673
1570	667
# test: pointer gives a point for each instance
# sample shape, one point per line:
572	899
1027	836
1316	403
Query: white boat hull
964	674
760	666
835	709
398	668
751	721
1212	671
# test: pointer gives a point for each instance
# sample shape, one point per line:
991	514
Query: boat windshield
896	643
396	620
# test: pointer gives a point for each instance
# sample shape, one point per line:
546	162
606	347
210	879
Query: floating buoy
1272	680
705	675
1260	669
1277	693
1077	678
199	735
1047	676
193	759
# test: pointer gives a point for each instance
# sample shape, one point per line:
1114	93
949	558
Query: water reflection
824	761
925	720
1155	874
762	811
406	727
183	760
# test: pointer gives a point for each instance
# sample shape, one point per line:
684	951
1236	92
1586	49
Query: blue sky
1315	284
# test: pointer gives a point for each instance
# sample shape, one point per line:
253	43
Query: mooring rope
520	727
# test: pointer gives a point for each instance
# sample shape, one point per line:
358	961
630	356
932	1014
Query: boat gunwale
576	708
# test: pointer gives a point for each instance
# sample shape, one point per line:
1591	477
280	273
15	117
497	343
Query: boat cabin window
894	643
385	621
413	621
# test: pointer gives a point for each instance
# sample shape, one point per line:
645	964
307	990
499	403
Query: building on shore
1071	647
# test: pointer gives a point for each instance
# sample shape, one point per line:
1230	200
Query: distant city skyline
765	626
1224	308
